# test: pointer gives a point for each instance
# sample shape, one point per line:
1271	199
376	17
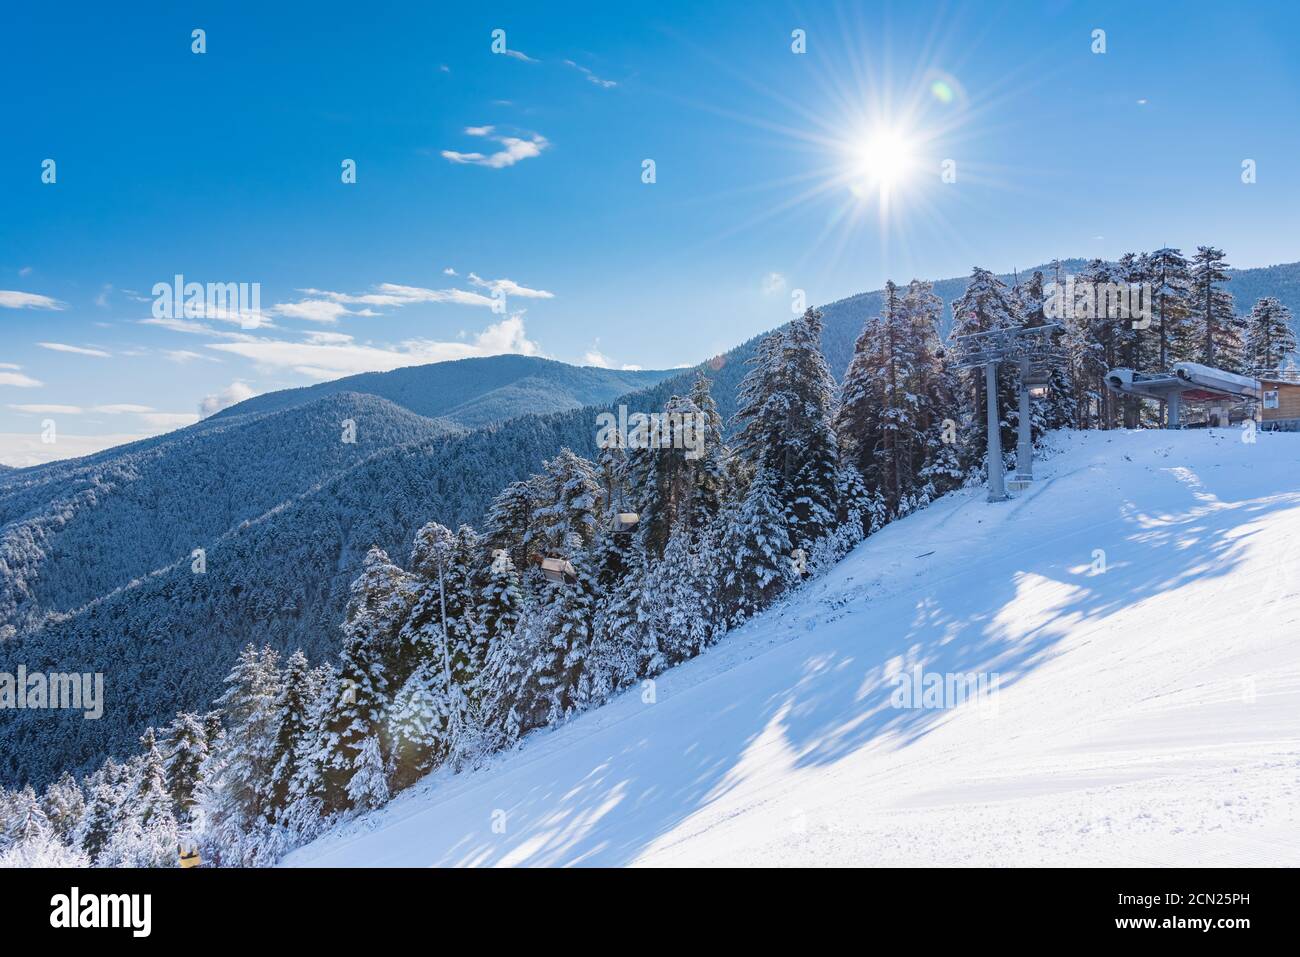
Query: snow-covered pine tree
417	725
757	550
442	637
293	710
187	749
379	606
64	803
27	820
368	785
1216	327
97	824
1270	337
709	474
1170	293
240	792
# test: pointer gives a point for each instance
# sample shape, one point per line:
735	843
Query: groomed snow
1148	714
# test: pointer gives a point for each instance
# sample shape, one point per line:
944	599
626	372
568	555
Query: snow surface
1148	714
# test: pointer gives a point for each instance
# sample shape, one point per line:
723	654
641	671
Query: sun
881	161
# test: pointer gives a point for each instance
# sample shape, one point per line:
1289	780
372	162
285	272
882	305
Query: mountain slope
473	392
72	531
1146	714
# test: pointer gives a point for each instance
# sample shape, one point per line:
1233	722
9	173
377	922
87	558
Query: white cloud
328	338
232	394
591	77
515	149
12	299
520	55
594	357
184	355
18	380
628	367
331	360
102	299
78	350
25	271
23	449
773	283
43	409
312	310
479	130
449	271
510	288
197	329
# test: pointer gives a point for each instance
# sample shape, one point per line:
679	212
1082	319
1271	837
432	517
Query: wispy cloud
12	299
331	359
591	77
510	288
78	350
514	149
232	394
184	355
773	283
41	409
10	375
197	329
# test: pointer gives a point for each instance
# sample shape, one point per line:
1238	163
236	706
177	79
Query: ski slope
1145	714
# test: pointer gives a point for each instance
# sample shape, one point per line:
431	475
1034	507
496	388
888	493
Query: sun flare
881	161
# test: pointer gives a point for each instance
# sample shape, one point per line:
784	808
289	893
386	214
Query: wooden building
1279	401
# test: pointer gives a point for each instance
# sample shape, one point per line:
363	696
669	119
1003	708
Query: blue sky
522	172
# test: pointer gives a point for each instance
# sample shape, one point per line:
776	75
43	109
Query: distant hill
472	392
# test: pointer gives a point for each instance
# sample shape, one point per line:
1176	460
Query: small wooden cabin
1279	407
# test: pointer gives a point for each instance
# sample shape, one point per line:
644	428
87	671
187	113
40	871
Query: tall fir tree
1216	328
1270	336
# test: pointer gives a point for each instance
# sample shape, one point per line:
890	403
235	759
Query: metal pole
997	488
1024	444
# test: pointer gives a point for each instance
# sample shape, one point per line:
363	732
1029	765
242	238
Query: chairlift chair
1037	380
560	571
625	522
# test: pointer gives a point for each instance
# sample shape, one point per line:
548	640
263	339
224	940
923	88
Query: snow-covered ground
1147	713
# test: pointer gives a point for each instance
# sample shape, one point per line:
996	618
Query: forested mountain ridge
473	392
73	531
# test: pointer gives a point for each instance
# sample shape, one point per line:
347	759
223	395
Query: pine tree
293	710
1217	330
757	549
96	827
1270	338
64	803
187	749
27	820
417	725
785	406
240	794
1171	283
379	606
368	786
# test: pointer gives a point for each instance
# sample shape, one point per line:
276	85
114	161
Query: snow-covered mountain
1138	605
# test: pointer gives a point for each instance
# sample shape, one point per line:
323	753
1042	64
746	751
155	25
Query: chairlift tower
1030	348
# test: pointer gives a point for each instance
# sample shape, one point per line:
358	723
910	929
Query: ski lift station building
1272	397
1280	400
